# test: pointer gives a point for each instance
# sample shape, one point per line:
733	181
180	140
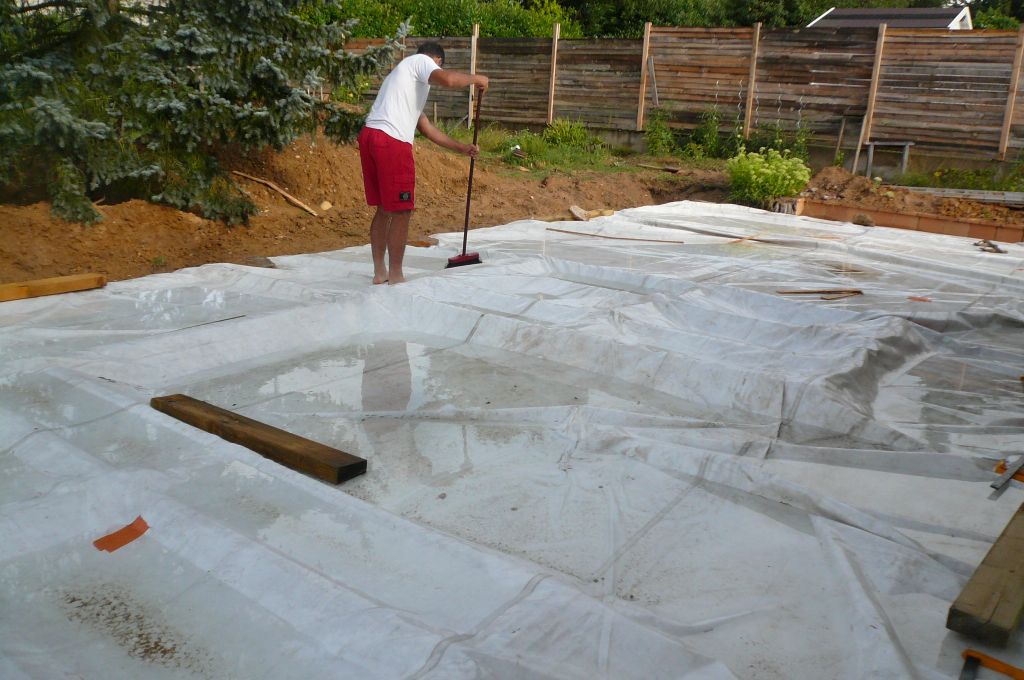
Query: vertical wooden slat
643	77
554	72
869	111
472	69
748	114
1011	97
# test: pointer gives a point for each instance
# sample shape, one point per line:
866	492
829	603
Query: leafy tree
497	18
137	97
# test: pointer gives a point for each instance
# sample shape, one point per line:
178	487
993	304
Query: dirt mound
137	238
840	186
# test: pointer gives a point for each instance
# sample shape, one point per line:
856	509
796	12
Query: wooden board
53	286
990	605
290	450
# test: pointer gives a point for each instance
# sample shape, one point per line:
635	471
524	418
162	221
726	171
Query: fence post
1011	97
748	114
643	77
557	31
472	69
869	111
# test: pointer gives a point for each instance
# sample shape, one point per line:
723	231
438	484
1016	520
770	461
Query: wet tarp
614	450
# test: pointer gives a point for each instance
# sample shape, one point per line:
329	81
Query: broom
469	258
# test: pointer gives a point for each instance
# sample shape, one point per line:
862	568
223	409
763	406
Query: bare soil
136	238
839	186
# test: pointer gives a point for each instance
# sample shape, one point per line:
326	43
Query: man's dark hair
431	49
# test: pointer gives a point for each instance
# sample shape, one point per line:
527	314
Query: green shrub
570	134
757	178
661	141
705	140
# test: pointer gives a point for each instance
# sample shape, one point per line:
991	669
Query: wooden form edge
914	221
990	605
556	32
1011	97
644	53
869	109
291	450
748	112
51	286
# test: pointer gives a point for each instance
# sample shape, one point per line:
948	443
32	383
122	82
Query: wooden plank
290	450
1011	97
990	605
554	72
748	114
644	53
865	128
473	54
51	286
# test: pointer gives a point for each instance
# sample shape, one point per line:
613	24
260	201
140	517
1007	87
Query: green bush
705	140
757	178
137	100
661	141
570	134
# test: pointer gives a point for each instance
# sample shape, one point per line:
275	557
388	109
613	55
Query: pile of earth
838	185
136	238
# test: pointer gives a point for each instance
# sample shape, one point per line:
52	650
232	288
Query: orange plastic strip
1002	467
995	664
122	536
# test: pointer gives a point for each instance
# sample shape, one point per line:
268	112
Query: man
385	149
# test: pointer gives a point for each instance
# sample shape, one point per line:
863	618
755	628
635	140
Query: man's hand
481	82
471	150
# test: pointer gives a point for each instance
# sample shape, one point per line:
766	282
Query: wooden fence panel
519	70
598	82
944	88
937	88
697	69
812	77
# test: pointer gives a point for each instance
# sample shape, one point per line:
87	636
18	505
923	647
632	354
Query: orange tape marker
995	664
122	536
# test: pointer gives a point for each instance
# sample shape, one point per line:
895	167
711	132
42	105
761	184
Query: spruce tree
138	96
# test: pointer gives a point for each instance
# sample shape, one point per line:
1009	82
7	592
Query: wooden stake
869	110
644	53
473	40
748	114
51	286
290	450
1011	97
554	70
288	197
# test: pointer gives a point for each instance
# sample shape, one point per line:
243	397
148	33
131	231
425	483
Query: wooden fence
954	91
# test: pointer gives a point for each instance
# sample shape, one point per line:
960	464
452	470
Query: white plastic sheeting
617	453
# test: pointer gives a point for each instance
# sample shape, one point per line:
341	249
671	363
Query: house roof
910	17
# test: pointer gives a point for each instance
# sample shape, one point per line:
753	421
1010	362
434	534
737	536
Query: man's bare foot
395	278
380	278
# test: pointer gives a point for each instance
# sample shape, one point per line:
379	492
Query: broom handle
472	164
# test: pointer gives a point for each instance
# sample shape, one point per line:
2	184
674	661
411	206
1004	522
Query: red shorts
389	171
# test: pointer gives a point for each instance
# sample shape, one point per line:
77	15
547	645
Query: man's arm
441	139
457	79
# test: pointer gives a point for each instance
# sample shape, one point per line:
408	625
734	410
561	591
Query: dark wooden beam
290	450
989	607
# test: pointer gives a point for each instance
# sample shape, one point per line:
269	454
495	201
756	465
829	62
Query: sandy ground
137	238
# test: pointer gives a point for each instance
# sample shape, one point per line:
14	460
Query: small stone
326	205
442	496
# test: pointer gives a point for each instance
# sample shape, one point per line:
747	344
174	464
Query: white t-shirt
402	96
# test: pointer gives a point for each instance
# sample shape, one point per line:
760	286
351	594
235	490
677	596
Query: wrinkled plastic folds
614	450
